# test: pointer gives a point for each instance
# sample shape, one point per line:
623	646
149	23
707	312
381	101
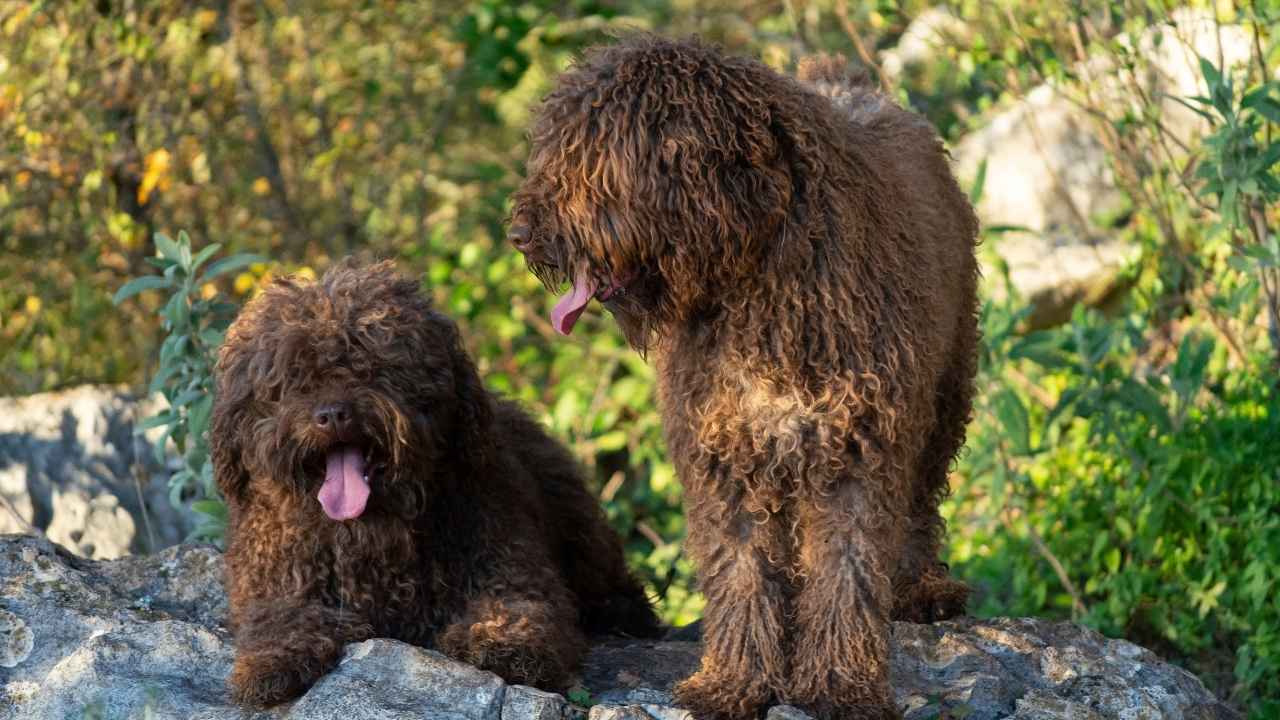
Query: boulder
72	469
142	637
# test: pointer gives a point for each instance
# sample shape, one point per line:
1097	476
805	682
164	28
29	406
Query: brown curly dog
800	261
377	489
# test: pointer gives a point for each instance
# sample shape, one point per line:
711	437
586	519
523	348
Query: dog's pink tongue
345	489
571	305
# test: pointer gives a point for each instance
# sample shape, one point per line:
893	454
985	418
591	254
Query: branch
842	14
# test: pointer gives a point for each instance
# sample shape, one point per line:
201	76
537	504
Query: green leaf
175	312
980	181
1212	77
1012	415
159	448
169	249
184	251
178	486
1044	347
1144	400
186	397
1112	560
1191	107
1065	402
204	255
163	417
213	508
611	441
162	376
138	285
212	338
231	264
1193	357
210	530
198	416
1269	109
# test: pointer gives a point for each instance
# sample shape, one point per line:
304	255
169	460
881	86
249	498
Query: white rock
72	469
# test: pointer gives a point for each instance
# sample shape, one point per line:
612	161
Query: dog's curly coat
460	522
800	260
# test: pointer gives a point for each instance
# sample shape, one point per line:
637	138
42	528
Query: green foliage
195	319
1123	468
581	697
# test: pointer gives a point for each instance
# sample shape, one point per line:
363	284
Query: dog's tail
851	89
835	70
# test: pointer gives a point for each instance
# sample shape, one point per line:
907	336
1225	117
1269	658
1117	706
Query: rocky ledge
142	637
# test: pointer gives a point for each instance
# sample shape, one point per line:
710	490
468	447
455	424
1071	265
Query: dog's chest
388	578
748	422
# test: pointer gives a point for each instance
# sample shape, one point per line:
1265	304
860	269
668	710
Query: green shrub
195	319
1124	469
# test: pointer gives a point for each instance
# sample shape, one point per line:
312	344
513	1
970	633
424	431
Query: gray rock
1048	171
383	680
526	703
72	470
143	637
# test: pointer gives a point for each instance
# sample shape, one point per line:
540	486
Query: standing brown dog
377	489
799	258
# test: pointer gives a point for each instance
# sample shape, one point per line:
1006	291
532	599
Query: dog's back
590	554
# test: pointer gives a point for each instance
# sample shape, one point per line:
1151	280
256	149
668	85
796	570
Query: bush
1123	469
195	319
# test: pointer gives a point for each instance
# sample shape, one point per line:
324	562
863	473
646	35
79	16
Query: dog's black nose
334	417
518	235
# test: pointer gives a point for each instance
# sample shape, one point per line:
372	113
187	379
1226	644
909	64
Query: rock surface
142	637
72	469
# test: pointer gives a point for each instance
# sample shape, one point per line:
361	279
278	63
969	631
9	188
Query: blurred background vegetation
1122	464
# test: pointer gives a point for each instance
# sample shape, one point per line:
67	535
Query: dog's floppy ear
474	440
227	425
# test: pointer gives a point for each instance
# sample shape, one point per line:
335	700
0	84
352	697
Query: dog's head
352	389
657	175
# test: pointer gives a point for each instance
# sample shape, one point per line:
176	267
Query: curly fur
478	537
800	260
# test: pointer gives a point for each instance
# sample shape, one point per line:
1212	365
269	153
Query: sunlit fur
478	537
800	261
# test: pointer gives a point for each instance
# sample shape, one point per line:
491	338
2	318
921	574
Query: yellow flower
32	305
261	186
205	19
156	174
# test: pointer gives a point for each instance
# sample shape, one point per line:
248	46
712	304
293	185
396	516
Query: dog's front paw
525	643
713	696
261	682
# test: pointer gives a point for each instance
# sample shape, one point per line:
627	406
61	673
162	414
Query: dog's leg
840	667
524	629
283	646
741	558
923	590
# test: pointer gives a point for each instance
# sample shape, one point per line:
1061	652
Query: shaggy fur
478	535
799	259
